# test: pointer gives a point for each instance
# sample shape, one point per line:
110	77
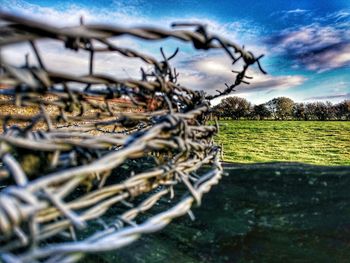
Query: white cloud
215	71
317	47
310	37
296	11
337	57
297	15
339	18
69	15
209	74
335	97
59	59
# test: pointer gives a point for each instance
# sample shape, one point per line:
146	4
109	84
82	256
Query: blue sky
306	43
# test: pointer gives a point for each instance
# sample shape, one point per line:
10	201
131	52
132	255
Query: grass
313	142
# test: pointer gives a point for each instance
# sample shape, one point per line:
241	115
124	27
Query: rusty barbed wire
80	174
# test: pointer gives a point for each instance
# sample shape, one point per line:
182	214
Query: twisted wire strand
91	168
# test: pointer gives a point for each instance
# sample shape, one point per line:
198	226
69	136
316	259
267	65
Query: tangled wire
81	174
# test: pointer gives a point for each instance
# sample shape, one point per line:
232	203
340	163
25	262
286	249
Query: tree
331	110
324	111
233	107
310	109
342	110
299	111
218	111
261	112
281	108
321	112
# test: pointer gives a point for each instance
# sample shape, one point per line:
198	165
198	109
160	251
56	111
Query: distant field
314	142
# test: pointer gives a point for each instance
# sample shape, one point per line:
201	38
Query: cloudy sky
306	42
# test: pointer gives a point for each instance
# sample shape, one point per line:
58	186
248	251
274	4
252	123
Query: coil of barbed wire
79	173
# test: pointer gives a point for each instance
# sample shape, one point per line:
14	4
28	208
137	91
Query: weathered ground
272	212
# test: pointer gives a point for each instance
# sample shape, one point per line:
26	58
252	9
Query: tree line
281	108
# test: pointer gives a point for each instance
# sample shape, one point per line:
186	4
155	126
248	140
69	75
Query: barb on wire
100	150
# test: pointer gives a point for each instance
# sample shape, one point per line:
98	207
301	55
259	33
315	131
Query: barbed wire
80	174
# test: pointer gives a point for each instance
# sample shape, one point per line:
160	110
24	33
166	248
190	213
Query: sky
306	43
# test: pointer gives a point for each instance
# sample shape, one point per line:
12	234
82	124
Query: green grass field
313	142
